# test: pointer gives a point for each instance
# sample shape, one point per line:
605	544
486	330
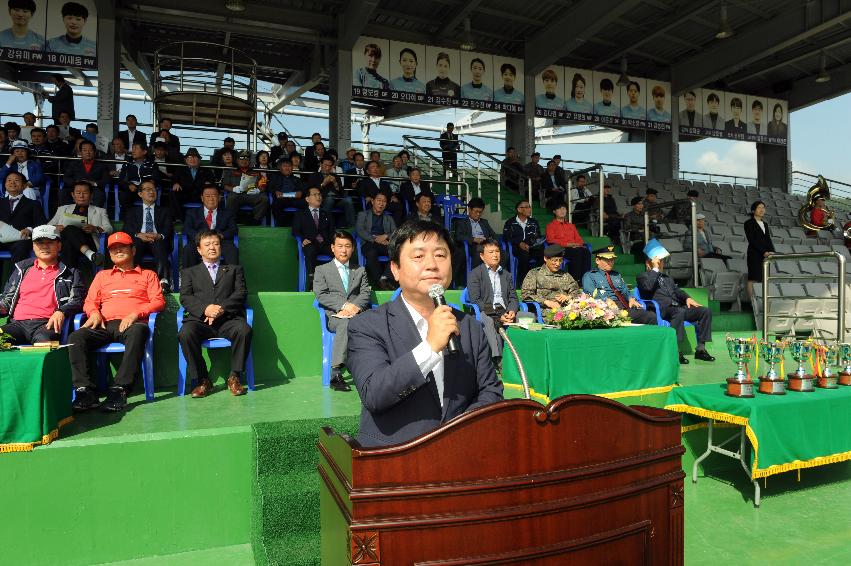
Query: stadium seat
211	344
327	344
118	348
465	302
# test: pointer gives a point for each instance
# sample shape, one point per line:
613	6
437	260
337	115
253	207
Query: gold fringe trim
539	396
45	439
637	392
800	464
696	426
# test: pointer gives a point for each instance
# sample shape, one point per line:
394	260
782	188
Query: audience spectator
288	190
650	199
62	98
165	152
611	216
603	282
227	147
376	157
12	131
87	169
27	128
523	234
262	163
705	247
676	306
228	161
78	225
309	151
66	131
19	160
117	306
4	141
131	135
41	292
172	141
549	285
759	244
474	230
347	164
280	150
396	171
374	228
406	158
551	187
681	212
21	213
409	189
491	288
213	294
511	171
152	228
534	171
332	190
424	210
245	187
54	141
295	158
633	225
316	228
353	183
313	160
210	216
449	146
580	197
118	152
40	150
818	215
188	182
138	170
344	292
565	234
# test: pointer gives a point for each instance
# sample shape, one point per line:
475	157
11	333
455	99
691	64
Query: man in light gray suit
374	229
343	291
491	288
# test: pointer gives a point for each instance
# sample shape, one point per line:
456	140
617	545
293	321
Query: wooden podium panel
584	480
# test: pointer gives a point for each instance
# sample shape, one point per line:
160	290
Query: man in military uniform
606	283
549	284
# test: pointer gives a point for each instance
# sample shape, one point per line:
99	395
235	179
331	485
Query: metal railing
600	196
840	192
693	209
839	278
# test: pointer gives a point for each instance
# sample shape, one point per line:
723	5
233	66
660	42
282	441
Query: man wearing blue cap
675	305
604	282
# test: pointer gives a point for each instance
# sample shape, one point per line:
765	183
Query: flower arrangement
584	311
5	341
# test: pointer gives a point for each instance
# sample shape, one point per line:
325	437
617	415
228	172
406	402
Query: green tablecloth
613	362
35	397
787	432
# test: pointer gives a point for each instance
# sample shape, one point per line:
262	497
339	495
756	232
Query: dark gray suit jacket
329	291
198	291
363	225
462	230
398	403
481	291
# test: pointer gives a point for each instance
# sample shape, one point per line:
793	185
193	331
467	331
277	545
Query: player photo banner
735	116
49	32
422	74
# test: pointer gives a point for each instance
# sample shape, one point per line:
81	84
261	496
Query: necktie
149	220
345	277
319	237
212	269
209	219
13	202
624	303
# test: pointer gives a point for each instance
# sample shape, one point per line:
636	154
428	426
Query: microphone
436	293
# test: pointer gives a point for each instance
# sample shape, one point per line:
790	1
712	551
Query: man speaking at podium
409	382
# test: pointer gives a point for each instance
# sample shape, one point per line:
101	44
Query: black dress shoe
704	355
116	400
683	360
339	384
84	399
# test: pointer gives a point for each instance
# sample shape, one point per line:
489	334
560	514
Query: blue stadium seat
211	344
327	344
465	302
659	320
118	348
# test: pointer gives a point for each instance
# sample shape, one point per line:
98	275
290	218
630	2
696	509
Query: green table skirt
35	397
787	432
613	362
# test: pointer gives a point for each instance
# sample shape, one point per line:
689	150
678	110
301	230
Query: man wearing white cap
41	292
705	247
19	160
675	304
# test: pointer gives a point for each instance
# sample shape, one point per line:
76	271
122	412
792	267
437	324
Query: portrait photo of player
370	67
713	119
506	74
446	71
735	123
480	73
691	109
579	97
404	68
756	121
24	19
661	110
549	93
80	28
777	127
607	96
634	105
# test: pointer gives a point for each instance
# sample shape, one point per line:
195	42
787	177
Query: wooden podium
584	480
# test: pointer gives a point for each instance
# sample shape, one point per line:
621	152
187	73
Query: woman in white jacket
80	225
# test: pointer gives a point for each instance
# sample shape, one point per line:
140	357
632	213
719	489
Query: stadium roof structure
777	50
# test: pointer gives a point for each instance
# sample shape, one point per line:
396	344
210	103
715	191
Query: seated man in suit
187	184
19	160
315	227
523	234
246	187
343	291
550	285
41	292
20	213
374	184
117	306
96	173
603	282
139	169
131	135
81	240
213	294
552	188
492	289
210	216
409	384
332	190
474	230
424	209
676	306
152	228
409	189
374	229
287	190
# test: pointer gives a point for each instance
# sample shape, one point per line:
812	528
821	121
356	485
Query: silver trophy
772	352
845	362
741	350
828	379
800	380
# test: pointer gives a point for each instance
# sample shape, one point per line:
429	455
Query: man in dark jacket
62	99
41	293
133	174
287	189
152	229
213	217
315	227
523	234
87	169
187	184
20	213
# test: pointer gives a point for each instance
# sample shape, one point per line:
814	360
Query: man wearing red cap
117	306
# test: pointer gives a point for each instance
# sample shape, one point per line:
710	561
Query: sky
818	137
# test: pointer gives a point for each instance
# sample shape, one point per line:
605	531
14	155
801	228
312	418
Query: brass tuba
819	190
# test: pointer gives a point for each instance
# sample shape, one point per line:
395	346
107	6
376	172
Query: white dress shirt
427	359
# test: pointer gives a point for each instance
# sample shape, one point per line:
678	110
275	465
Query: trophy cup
741	350
827	379
845	362
800	380
772	353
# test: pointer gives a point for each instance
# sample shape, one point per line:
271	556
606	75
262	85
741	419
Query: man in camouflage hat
549	284
603	282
